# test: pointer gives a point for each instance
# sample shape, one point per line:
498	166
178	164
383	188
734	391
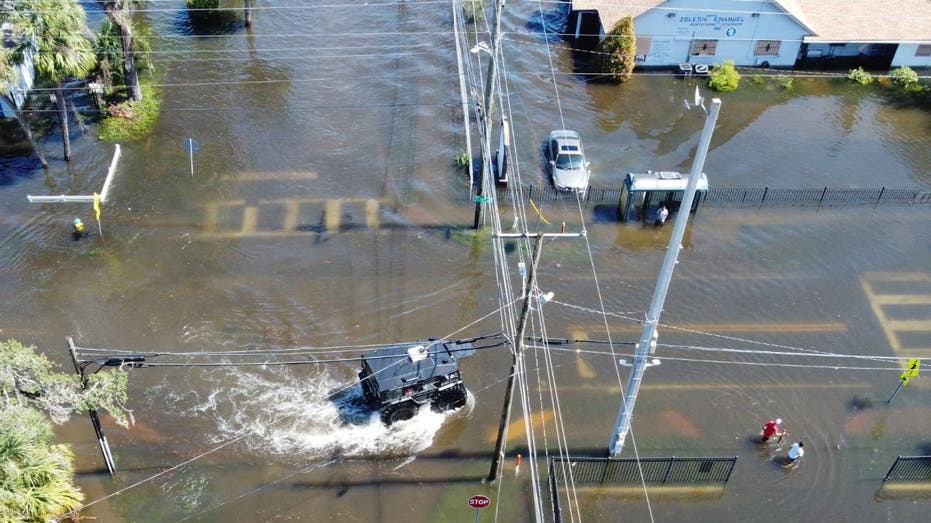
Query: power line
734	362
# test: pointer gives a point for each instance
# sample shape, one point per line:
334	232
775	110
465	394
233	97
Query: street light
481	46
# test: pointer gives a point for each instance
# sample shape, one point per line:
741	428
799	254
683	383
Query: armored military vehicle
400	379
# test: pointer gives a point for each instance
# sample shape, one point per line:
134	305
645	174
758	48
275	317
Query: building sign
712	20
726	23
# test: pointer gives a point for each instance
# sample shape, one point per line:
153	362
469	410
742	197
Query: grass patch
470	237
131	120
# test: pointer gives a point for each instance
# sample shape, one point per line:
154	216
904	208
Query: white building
23	74
777	33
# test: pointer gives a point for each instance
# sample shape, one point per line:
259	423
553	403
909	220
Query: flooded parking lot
321	114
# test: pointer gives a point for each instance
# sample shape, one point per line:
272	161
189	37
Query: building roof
828	20
866	20
612	11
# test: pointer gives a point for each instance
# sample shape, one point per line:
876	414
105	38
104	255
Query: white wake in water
306	415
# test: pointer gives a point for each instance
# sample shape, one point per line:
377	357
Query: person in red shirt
770	429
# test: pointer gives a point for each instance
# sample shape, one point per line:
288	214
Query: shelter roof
663	181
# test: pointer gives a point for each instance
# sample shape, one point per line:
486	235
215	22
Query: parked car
567	161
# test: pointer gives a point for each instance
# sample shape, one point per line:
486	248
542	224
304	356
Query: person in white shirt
661	214
796	452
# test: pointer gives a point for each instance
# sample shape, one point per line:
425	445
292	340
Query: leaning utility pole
517	349
647	343
489	103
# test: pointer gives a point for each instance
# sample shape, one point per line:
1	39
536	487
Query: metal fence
910	468
586	471
539	194
656	471
737	196
822	196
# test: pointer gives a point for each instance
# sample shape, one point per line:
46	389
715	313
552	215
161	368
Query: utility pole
131	360
516	353
480	198
648	338
95	420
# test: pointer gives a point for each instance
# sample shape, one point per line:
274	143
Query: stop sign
478	502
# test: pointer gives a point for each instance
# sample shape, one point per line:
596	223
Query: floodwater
353	112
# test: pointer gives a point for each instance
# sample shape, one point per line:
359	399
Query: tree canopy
55	27
36	474
617	52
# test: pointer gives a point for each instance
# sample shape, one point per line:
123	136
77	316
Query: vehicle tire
398	413
450	399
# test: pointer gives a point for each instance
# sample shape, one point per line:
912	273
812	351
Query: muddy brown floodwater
351	113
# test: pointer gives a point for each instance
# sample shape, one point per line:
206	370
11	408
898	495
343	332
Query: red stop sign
478	502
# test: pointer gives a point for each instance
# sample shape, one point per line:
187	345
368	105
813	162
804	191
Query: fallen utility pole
648	338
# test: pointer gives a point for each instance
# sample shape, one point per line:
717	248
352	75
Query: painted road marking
516	429
331	215
882	301
220	217
834	326
263	176
616	389
585	369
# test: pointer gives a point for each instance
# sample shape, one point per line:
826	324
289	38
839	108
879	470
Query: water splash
311	416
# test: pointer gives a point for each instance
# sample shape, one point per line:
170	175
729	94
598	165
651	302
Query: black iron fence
910	468
735	196
587	471
821	196
540	194
656	471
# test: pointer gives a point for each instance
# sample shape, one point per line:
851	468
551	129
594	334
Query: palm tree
55	27
37	474
121	16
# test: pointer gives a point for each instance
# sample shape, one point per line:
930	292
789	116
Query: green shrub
461	159
616	53
724	77
474	10
203	4
860	76
785	82
904	77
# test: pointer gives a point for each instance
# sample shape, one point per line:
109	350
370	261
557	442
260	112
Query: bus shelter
643	194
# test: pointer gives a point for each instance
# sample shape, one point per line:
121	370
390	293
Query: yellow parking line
291	210
372	218
262	176
332	214
891	327
902	299
614	389
516	429
734	327
250	216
